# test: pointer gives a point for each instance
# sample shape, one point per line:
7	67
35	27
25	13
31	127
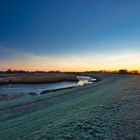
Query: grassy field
36	78
106	110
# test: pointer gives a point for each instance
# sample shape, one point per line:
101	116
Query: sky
69	35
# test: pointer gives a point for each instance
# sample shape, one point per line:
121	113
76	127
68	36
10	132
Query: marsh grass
37	78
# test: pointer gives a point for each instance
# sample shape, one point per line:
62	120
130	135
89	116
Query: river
36	89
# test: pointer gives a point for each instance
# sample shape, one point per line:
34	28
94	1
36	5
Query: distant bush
10	71
123	71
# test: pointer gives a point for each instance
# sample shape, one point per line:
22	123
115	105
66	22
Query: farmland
108	109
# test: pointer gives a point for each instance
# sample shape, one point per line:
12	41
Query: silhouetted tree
134	72
9	71
123	71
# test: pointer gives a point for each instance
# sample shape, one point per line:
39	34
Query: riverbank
16	91
36	78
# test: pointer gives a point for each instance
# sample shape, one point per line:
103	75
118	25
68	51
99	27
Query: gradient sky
69	35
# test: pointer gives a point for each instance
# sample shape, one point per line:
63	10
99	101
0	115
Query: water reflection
26	89
84	80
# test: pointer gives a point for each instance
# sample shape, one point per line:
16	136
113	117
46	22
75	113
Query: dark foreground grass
110	112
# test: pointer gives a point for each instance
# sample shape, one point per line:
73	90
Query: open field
36	78
106	110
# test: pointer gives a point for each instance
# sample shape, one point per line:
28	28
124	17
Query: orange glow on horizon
87	62
77	69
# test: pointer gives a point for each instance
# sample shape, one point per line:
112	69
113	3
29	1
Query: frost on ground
107	110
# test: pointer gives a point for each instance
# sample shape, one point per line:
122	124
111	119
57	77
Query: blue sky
68	29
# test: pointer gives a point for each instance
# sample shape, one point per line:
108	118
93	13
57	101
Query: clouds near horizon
69	35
